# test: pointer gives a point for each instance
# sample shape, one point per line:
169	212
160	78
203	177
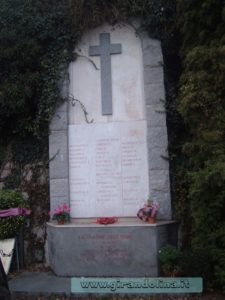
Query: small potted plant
148	212
170	258
61	214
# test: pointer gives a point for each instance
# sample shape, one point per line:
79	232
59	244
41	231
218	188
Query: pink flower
58	211
66	207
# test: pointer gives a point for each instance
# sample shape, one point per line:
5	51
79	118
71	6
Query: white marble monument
108	164
117	78
108	154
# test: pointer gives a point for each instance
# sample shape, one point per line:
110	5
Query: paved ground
35	283
45	285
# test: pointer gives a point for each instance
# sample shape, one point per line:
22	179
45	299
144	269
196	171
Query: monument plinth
127	248
110	166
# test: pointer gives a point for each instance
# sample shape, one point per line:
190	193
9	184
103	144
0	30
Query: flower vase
60	222
151	220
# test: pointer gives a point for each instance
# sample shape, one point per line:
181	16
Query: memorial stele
108	140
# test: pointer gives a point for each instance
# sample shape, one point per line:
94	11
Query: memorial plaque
108	169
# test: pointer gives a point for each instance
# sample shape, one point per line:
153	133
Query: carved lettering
108	169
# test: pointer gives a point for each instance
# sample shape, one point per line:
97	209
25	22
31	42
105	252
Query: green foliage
170	258
199	262
169	255
2	154
202	106
201	22
34	37
9	226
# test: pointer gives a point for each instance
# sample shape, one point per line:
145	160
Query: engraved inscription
105	247
108	169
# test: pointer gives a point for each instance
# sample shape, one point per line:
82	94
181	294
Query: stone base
126	249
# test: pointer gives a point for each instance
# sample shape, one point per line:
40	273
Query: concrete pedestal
128	248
